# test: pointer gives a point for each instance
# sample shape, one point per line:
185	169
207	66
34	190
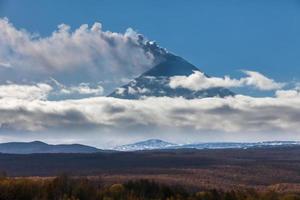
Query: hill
41	147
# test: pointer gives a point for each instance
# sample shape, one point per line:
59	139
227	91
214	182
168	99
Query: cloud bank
199	81
232	114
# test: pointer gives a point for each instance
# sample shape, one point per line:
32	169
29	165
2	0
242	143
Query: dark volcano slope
154	82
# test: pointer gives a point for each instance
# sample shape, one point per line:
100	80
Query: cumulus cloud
87	50
260	81
199	81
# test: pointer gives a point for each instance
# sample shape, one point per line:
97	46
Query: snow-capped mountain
146	145
239	145
155	82
155	144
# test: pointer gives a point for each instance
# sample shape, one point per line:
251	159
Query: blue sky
220	37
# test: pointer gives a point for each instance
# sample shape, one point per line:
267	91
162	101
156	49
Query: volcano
155	82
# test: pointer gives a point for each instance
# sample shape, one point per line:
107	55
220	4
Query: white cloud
233	114
42	91
199	81
80	89
87	51
6	65
27	92
136	90
287	93
83	88
120	91
260	81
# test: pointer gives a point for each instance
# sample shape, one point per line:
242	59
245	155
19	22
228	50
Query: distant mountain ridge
41	147
146	145
156	144
155	82
151	144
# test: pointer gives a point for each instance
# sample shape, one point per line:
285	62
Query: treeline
66	188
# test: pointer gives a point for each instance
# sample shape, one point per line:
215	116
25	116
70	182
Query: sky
58	60
220	37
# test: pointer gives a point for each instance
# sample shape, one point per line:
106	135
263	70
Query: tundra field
275	168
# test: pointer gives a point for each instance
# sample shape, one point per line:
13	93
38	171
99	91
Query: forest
65	187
